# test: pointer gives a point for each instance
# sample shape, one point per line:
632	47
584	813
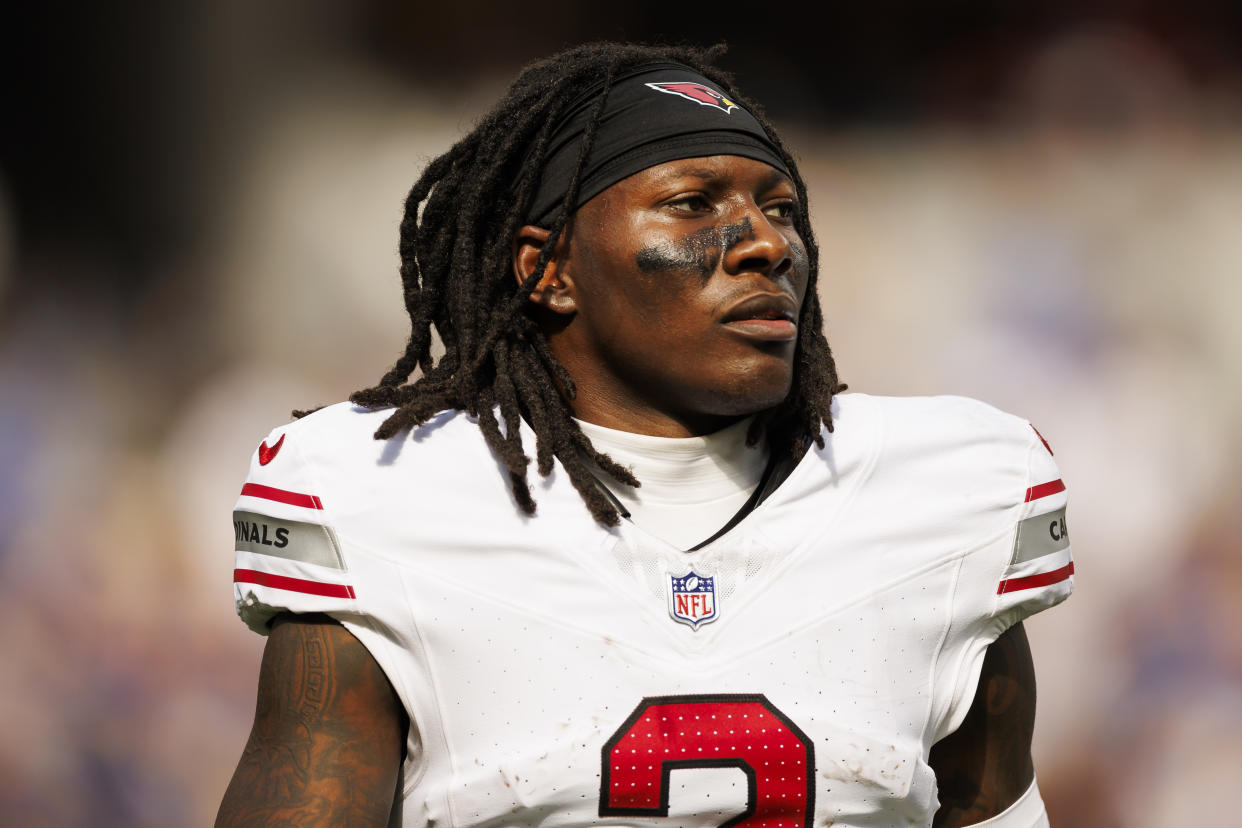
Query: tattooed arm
328	733
985	765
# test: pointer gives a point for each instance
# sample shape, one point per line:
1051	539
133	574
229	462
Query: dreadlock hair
455	247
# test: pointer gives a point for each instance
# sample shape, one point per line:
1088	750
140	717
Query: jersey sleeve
1025	569
288	557
1039	572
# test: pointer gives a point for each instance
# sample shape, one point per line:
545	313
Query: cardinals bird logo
266	453
698	93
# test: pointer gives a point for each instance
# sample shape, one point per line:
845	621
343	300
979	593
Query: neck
625	411
655	424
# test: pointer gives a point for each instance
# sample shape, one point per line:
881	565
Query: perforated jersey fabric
547	676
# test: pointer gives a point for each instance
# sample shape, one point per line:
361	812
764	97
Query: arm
326	747
985	765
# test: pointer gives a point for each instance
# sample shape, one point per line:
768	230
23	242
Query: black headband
658	112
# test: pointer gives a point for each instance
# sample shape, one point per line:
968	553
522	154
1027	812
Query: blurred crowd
1080	271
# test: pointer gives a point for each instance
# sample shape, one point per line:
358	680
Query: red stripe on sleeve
1037	580
1033	428
267	579
297	498
1044	489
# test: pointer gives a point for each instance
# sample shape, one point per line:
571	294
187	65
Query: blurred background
1036	204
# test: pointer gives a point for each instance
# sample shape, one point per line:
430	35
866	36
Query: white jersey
795	671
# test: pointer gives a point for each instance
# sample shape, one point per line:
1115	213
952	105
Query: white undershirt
691	486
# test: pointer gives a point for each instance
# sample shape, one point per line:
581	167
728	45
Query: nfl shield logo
692	598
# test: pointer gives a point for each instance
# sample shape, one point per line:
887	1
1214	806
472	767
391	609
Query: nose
755	244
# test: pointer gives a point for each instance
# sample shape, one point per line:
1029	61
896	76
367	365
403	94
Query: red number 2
718	731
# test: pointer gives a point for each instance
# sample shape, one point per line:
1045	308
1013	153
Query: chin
753	390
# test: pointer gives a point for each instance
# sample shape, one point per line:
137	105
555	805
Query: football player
731	596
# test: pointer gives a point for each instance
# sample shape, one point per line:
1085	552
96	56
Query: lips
772	316
763	306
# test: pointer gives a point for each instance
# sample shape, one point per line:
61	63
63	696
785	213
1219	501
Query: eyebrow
701	172
775	177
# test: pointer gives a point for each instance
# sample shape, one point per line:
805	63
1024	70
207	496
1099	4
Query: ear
554	290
